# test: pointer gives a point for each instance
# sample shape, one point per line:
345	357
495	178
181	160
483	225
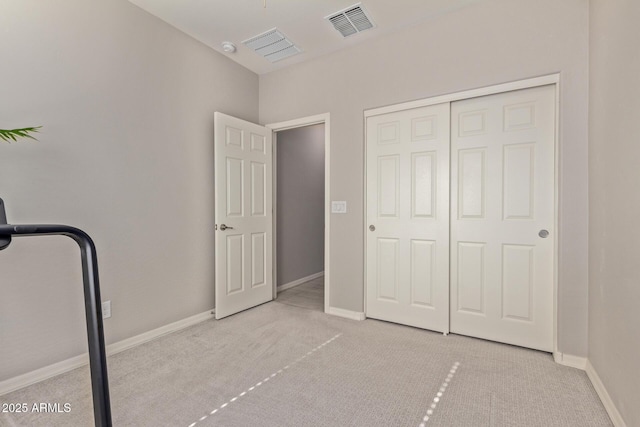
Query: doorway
299	216
301	123
245	215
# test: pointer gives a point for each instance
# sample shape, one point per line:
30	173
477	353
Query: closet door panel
503	216
407	234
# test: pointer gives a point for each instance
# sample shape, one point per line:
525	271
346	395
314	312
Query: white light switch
106	309
338	207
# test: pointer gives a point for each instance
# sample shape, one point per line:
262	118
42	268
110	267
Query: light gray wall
300	197
125	153
489	42
614	178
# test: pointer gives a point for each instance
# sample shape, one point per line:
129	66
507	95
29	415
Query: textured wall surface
614	156
126	153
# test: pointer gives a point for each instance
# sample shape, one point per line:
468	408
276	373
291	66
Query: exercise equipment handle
92	304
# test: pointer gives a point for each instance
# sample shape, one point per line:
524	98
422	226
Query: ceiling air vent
351	20
272	45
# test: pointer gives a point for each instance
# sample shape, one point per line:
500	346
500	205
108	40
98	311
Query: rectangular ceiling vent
272	45
351	20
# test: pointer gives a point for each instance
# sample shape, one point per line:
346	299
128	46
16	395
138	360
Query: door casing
292	124
552	79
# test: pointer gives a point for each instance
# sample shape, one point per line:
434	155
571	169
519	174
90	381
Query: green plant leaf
13	134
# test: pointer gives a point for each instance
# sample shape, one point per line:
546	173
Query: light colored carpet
328	371
308	295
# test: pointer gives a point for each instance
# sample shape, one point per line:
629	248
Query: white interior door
407	235
243	214
502	200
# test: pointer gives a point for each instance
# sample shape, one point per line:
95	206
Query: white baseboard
128	343
24	380
615	416
299	281
570	360
354	315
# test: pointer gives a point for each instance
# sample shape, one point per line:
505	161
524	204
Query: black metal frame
92	305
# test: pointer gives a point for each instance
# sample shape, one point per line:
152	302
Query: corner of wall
612	410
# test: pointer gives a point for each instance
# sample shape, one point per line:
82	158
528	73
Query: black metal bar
92	305
4	240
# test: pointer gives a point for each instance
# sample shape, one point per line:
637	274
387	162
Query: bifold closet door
407	234
502	217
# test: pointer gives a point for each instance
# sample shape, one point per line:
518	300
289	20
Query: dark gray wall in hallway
300	202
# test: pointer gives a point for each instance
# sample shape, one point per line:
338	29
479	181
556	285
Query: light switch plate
106	309
338	207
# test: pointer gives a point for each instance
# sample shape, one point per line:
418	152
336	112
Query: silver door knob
543	233
224	227
372	227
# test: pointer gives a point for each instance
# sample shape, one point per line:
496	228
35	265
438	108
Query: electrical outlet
106	309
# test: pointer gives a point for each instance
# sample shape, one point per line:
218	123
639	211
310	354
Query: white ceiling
302	21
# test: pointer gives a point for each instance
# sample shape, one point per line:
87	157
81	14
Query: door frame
292	124
551	79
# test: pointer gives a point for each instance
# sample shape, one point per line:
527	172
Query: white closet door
243	214
502	217
407	235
